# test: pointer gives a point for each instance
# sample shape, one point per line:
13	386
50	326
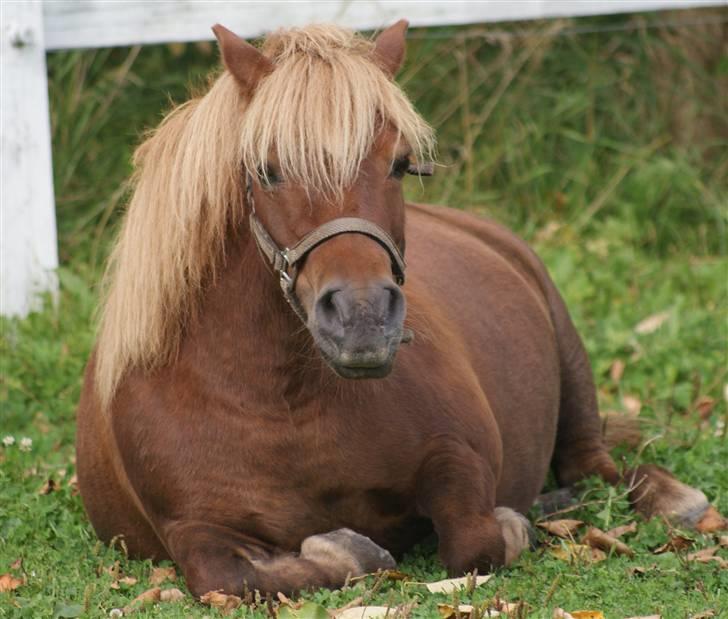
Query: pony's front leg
456	490
215	558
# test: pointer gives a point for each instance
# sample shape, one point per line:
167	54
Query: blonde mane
319	110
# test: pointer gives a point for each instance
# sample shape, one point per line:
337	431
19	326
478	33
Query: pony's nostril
327	310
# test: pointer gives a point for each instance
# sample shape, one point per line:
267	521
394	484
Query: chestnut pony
243	413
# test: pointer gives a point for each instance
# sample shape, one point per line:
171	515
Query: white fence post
28	249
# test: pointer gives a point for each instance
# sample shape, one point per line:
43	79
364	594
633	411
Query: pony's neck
247	340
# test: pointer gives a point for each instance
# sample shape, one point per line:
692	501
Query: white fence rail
28	253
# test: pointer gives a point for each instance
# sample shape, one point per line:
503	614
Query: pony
276	399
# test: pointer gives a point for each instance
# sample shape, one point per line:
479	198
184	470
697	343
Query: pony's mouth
371	363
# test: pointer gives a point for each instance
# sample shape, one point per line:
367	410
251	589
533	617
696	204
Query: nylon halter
285	262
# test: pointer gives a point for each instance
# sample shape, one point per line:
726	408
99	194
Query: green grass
601	149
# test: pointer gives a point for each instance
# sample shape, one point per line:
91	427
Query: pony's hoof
517	532
348	547
655	492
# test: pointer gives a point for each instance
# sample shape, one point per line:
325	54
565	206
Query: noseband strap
285	262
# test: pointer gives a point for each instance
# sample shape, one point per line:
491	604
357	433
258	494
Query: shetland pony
255	408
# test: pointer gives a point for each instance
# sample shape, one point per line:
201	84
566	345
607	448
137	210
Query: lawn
602	141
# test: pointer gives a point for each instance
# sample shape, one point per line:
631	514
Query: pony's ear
390	46
245	62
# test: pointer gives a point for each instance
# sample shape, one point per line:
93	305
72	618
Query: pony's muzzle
358	329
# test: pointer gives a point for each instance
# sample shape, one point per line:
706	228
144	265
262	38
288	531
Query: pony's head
327	137
315	129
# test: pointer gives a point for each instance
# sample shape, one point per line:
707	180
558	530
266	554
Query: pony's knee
206	571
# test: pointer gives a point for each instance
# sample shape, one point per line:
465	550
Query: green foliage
581	142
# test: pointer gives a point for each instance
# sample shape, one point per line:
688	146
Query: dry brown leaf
17	564
225	603
651	323
676	543
596	538
73	484
451	585
632	404
8	582
616	370
623	529
641	571
171	595
578	553
560	613
563	528
707	555
712	521
160	574
150	596
706	614
49	486
704	406
722	541
587	614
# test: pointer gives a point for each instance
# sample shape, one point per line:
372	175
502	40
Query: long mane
320	109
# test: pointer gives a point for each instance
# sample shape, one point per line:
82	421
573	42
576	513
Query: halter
285	262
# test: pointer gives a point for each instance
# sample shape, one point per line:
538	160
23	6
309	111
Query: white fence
28	254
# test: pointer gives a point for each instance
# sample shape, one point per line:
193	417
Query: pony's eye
400	167
269	176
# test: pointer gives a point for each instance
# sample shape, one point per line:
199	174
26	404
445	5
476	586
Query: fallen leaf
225	603
171	595
148	597
17	564
451	585
160	574
448	611
575	553
596	538
646	617
73	484
127	581
651	323
706	555
49	486
361	612
560	613
587	614
704	406
563	528
632	404
706	614
396	575
674	544
701	554
723	541
8	582
712	521
616	370
641	571
623	529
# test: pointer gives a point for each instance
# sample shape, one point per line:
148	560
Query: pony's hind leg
216	558
580	451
